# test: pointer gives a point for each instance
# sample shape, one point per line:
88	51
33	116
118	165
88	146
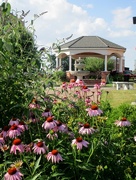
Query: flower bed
70	134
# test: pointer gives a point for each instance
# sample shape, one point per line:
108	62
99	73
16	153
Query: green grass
117	97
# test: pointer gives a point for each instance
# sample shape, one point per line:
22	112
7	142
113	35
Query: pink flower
79	142
33	118
2	141
22	126
122	122
60	127
28	147
97	86
86	129
52	135
54	156
46	113
17	146
103	83
40	148
14	131
64	85
13	174
85	88
5	131
14	121
34	104
49	123
94	111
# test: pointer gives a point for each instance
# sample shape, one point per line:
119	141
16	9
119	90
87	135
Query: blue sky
109	19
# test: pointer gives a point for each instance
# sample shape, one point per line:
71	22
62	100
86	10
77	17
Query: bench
123	85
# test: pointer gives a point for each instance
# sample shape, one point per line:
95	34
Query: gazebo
91	46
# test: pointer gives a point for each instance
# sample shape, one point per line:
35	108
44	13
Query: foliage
20	63
109	154
96	65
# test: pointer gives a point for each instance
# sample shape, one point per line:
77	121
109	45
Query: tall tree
19	63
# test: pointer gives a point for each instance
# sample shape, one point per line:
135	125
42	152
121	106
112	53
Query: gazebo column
70	63
105	63
57	62
104	73
121	64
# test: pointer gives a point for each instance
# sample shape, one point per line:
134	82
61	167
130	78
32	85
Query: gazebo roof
91	42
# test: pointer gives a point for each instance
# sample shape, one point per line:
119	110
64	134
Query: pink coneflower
17	146
64	85
23	126
49	123
46	113
55	101
88	101
14	121
80	82
60	127
54	156
33	118
34	104
40	148
5	131
86	129
97	86
52	135
2	141
28	147
94	111
13	174
14	131
85	88
103	83
79	142
122	122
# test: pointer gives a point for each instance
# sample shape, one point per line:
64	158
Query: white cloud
122	18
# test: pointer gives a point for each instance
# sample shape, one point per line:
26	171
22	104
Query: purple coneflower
13	174
60	127
54	156
85	88
17	146
122	122
34	104
14	131
4	131
46	113
97	86
79	142
28	147
52	135
64	85
40	148
86	129
14	121
49	123
33	118
2	141
94	111
23	126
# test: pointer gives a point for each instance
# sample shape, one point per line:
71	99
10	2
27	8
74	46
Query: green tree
20	63
96	65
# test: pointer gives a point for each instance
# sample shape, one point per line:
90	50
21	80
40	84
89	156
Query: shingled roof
91	42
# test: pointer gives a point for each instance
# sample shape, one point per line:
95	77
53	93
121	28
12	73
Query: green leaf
37	165
36	176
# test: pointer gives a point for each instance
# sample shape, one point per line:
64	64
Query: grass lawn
117	97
